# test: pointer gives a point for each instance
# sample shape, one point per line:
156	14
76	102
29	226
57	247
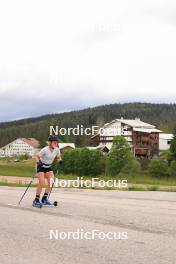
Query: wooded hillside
161	115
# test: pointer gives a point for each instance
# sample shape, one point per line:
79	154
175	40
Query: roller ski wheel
55	203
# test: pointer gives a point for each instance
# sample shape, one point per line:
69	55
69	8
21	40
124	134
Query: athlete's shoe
46	202
37	203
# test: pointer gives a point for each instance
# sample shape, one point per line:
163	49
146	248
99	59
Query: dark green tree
158	168
83	162
172	169
119	157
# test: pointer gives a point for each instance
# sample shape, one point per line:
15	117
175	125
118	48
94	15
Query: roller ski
46	203
37	203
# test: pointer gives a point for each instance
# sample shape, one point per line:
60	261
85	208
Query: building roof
166	136
131	122
32	142
147	130
135	123
64	145
102	148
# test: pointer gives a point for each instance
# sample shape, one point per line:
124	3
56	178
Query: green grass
12	184
136	188
147	179
26	169
130	188
20	169
153	188
143	178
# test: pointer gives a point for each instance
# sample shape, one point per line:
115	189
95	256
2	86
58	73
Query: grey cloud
27	107
13	108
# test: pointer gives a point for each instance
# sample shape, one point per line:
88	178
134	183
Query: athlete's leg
41	181
48	176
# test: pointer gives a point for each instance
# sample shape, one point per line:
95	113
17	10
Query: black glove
39	163
60	162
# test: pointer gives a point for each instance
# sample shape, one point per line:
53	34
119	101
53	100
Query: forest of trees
161	115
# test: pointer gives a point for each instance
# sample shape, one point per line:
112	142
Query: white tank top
48	155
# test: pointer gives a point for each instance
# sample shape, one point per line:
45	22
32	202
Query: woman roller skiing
44	161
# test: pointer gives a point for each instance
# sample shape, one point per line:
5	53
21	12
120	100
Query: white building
1	153
164	141
20	146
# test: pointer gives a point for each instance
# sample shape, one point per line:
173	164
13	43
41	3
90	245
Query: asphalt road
147	218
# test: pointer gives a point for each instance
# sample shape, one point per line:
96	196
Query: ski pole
26	190
52	186
55	173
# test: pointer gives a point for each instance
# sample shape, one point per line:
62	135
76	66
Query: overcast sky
62	55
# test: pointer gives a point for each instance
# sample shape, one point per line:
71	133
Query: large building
142	137
20	146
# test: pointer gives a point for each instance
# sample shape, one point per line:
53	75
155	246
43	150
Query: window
169	142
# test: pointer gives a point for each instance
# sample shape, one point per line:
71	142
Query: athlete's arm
37	158
59	159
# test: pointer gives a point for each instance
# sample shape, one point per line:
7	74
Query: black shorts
42	169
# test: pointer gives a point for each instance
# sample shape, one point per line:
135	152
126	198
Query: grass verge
130	188
26	169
